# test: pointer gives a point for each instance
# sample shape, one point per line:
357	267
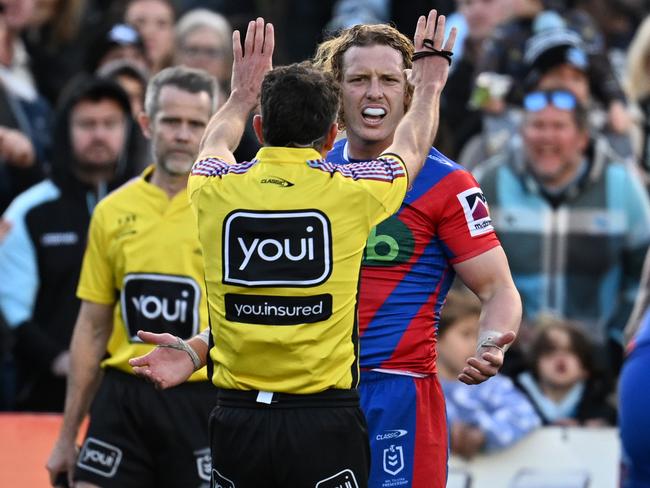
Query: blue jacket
577	255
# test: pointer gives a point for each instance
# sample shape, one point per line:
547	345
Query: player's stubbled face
373	95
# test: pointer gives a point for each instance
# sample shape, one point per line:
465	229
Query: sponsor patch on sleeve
477	214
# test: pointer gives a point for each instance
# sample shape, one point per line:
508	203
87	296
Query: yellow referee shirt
282	239
143	256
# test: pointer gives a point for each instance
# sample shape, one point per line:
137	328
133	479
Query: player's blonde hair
329	54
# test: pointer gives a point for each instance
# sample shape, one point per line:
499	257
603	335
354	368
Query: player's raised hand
432	53
164	367
252	60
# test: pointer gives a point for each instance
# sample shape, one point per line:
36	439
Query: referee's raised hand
252	60
250	63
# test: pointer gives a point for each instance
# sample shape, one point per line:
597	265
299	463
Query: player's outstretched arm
250	63
488	276
170	363
415	133
88	346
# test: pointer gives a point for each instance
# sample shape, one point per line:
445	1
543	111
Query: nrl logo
203	463
393	460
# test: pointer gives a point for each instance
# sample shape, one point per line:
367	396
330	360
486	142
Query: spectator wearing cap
118	41
154	20
557	59
504	54
573	220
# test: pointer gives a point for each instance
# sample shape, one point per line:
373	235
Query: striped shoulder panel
218	167
385	168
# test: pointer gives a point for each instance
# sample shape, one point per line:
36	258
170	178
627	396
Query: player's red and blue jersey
407	266
633	404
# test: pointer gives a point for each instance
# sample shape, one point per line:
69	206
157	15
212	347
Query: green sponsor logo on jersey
390	243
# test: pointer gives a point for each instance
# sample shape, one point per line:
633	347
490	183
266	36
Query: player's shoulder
440	166
446	162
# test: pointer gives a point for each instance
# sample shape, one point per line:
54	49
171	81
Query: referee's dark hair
299	105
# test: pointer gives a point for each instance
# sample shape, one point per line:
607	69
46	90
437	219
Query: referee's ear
330	139
145	124
257	127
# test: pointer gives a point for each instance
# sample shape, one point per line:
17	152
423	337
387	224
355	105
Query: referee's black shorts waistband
333	397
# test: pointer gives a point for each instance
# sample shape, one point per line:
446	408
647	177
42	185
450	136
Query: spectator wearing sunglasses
555	58
558	59
573	219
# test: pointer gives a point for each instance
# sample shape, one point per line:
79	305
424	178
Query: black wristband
433	52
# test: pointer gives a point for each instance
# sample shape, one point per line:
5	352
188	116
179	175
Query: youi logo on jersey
291	248
160	303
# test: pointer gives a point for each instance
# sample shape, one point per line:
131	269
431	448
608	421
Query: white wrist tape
181	345
488	338
205	336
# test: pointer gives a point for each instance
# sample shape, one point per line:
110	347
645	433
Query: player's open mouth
373	115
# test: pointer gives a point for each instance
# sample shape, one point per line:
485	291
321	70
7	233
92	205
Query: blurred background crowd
568	194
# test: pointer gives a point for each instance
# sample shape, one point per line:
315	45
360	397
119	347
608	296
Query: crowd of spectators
548	102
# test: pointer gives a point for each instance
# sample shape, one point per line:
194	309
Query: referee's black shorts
297	441
142	437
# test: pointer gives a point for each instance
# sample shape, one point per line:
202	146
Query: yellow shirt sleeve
387	185
96	282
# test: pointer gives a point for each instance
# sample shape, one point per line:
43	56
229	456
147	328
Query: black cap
117	35
551	48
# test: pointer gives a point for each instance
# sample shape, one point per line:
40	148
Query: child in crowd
485	417
563	381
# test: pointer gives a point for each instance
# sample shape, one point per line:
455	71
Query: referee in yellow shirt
282	237
142	270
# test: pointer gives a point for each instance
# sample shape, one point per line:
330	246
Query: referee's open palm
164	367
252	61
